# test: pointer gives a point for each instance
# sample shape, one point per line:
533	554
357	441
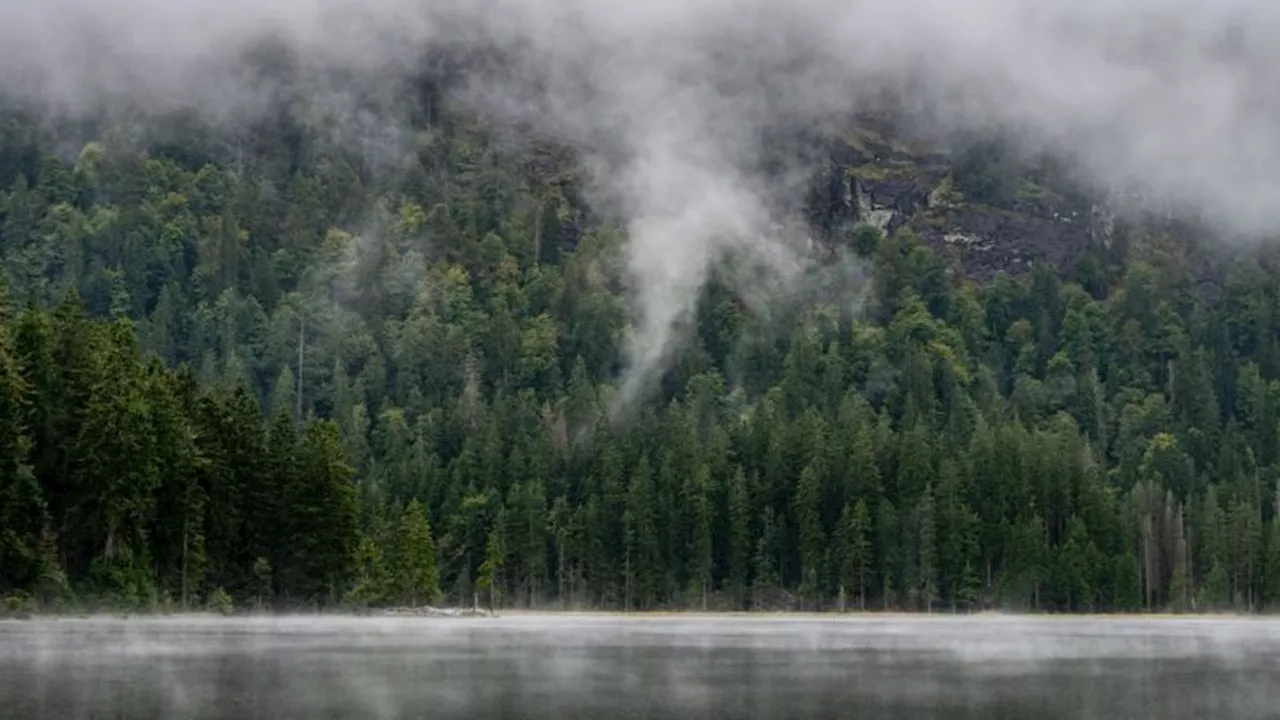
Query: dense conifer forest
253	367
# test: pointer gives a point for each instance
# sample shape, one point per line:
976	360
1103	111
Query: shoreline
458	614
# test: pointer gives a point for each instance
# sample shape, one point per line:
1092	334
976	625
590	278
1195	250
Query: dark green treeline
126	480
283	377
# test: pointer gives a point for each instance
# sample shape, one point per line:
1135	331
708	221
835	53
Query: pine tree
1126	583
233	440
532	518
22	509
326	517
1246	550
766	575
117	475
813	539
863	471
177	531
1272	571
1077	560
855	566
269	495
284	394
371	581
488	577
739	537
886	531
1180	591
700	548
561	524
641	539
416	579
926	517
1024	570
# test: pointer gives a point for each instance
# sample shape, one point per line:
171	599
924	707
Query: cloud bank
669	100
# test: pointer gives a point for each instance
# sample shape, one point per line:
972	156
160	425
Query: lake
661	666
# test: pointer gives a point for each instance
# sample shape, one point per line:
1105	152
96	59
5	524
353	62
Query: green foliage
294	379
416	579
866	240
371	583
1126	583
161	489
926	518
490	569
17	604
1272	570
985	173
854	550
220	602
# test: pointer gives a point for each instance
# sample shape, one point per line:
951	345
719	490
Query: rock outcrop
890	184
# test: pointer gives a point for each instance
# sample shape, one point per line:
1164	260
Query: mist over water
640	667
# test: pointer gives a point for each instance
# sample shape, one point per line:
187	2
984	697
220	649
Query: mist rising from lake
575	666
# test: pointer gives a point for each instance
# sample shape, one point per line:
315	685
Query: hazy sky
1176	98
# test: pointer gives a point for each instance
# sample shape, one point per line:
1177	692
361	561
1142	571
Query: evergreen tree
1077	560
641	539
371	581
886	531
1272	572
22	509
739	560
1095	438
700	549
766	575
177	529
855	566
416	579
1125	580
325	531
926	517
488	581
117	475
813	540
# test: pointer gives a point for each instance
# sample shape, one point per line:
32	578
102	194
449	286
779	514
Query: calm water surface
640	667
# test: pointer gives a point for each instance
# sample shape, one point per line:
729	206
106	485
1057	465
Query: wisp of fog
668	102
655	666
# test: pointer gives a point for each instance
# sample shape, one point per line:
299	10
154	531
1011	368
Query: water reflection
640	667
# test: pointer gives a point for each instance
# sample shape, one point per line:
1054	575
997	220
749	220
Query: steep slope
973	204
447	316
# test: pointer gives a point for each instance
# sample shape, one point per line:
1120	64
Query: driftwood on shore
428	611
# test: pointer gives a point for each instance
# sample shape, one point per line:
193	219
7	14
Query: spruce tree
23	514
813	539
641	539
489	575
325	516
926	518
739	537
416	579
855	543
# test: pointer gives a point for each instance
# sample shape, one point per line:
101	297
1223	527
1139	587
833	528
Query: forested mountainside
259	366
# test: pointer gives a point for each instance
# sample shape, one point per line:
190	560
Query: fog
571	666
1171	102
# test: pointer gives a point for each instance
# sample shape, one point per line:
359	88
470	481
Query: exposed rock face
987	240
889	185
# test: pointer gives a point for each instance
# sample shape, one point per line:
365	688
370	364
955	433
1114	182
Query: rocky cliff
986	212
